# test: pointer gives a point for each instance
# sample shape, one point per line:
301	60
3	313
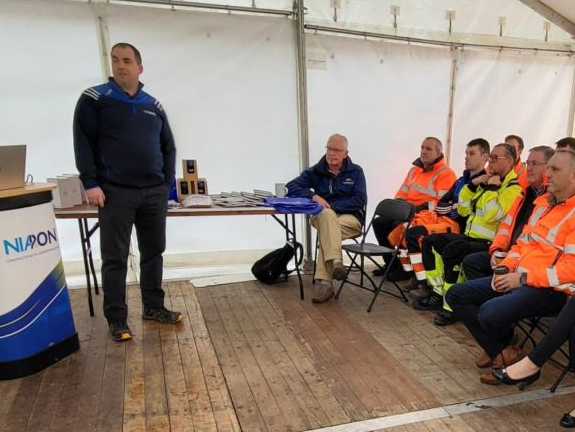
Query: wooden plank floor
250	357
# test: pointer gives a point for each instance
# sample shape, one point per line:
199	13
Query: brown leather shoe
338	272
317	300
508	356
489	378
483	360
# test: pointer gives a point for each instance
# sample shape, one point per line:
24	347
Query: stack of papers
241	199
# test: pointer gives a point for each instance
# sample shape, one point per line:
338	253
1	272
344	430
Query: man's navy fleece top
121	139
345	192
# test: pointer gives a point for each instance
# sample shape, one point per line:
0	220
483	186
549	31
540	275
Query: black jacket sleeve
85	132
168	150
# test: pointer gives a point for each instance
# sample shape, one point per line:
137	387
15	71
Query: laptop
12	166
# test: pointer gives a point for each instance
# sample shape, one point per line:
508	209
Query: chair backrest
394	209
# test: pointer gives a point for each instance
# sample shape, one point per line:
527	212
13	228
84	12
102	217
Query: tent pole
104	45
452	87
299	23
571	119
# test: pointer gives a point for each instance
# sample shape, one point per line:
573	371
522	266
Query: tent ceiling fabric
562	7
503	22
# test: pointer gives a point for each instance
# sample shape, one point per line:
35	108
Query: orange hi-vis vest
502	240
545	250
426	185
521	171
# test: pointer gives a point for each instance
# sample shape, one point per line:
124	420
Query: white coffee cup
281	190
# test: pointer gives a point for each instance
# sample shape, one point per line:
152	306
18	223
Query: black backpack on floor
269	268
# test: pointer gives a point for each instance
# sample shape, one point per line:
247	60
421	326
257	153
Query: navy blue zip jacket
121	139
345	192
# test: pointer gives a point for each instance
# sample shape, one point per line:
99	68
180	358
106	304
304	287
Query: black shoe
432	303
501	375
162	315
567	421
444	318
119	331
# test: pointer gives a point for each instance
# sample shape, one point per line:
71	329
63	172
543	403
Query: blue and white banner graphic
35	311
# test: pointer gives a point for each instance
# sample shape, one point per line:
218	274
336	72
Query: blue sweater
122	140
345	192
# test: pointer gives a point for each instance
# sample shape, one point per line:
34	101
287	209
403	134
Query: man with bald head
426	182
531	280
338	185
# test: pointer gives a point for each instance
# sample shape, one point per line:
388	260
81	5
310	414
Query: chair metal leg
564	372
315	258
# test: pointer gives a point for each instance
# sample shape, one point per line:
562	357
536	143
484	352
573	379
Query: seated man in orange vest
531	280
481	264
426	182
445	218
517	142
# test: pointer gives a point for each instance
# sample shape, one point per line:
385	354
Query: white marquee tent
385	73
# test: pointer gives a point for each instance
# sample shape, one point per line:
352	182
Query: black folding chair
398	210
528	326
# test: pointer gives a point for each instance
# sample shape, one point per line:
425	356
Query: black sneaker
432	303
444	318
119	331
162	315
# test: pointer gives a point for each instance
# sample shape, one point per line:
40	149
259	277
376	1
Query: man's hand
96	196
506	282
495	260
482	179
322	202
494	181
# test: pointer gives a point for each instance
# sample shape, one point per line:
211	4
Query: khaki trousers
331	230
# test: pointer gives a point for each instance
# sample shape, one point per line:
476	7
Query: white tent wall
385	97
49	55
498	94
228	84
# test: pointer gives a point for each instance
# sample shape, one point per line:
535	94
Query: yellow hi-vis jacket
485	206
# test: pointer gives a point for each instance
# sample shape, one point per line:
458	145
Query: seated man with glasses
426	182
338	185
485	201
481	264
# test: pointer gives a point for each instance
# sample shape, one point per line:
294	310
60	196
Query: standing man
125	154
338	185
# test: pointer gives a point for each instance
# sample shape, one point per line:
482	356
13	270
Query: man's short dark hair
518	139
137	54
509	150
547	151
482	143
567	142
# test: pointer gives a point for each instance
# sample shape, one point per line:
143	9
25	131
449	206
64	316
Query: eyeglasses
334	150
535	163
495	158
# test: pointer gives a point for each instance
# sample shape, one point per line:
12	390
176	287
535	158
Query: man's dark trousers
490	315
146	208
477	265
